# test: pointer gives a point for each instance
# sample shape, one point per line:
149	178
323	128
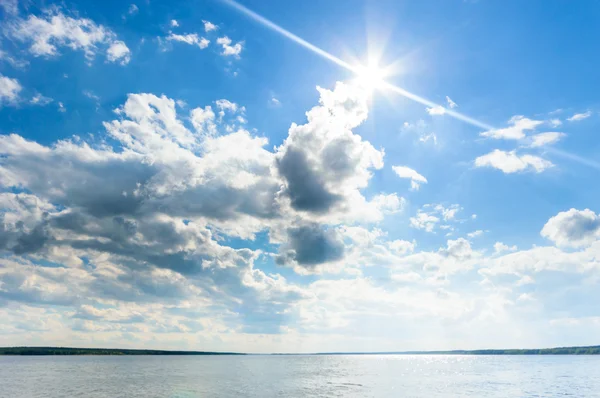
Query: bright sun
370	76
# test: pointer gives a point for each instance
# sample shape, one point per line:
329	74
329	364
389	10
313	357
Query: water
300	376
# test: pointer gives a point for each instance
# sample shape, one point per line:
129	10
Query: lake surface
300	376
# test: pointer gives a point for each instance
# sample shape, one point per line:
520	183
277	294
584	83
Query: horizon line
480	351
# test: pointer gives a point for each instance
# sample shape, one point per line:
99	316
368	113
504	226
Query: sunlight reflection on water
297	376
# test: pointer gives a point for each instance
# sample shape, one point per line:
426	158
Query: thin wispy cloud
579	116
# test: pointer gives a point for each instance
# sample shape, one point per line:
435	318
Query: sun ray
357	69
374	76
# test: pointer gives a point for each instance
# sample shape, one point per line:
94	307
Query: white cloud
451	104
191	39
91	95
526	279
429	216
118	51
402	246
417	126
573	228
428	137
510	162
459	248
55	29
274	102
579	116
133	9
10	7
475	234
424	221
548	258
416	179
448	213
203	120
14	62
61	107
209	26
226	105
500	247
323	163
228	49
520	124
555	122
9	90
548	138
40	100
388	204
436	110
147	251
174	23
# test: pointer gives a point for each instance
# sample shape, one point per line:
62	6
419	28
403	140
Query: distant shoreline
100	351
39	351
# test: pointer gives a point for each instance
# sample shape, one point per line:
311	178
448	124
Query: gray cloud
304	186
311	245
142	220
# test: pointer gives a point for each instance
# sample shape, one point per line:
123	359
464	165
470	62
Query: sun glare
370	76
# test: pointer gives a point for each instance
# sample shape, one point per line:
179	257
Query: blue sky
181	175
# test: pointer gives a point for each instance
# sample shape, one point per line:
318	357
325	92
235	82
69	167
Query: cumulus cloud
118	52
9	90
424	221
580	116
459	248
386	204
54	29
228	49
155	204
150	237
500	247
174	23
209	26
145	236
573	228
511	162
311	245
448	213
191	39
415	178
429	216
519	125
323	163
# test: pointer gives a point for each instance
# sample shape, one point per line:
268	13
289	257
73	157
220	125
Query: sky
306	176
